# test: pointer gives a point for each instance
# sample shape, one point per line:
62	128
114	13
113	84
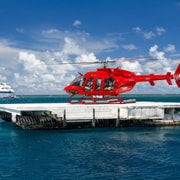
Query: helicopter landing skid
101	100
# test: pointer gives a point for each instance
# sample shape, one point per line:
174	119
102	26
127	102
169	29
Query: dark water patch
127	153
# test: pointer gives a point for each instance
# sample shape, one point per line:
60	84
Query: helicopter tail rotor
177	76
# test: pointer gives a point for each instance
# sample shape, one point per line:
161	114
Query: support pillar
93	120
64	119
13	118
118	118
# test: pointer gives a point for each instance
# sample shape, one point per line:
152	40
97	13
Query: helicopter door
89	84
109	84
98	84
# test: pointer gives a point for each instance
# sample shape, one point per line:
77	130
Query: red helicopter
111	82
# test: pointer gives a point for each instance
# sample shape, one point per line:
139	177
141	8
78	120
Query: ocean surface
107	153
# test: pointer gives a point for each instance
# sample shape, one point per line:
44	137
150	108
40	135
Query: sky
37	35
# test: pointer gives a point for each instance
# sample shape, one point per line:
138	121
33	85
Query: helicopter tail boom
155	77
177	76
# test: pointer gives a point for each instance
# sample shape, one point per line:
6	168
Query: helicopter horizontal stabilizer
177	76
168	76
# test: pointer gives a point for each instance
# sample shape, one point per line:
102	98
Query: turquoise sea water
108	153
65	98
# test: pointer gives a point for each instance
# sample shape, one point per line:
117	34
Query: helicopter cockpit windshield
78	81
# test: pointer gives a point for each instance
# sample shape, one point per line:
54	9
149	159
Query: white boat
6	91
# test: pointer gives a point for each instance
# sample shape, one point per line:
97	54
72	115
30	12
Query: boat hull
6	95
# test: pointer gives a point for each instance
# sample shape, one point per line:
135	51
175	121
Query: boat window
109	84
98	84
78	81
89	84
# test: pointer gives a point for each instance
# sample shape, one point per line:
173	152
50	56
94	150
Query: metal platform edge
67	116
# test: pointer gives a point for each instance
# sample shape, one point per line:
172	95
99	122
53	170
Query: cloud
170	48
132	66
35	74
129	47
137	29
89	57
76	23
153	51
20	30
81	38
31	63
8	54
160	31
3	77
150	34
70	47
160	62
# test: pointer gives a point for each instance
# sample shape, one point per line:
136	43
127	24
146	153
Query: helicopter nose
71	90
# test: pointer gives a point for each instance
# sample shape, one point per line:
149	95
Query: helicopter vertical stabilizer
177	76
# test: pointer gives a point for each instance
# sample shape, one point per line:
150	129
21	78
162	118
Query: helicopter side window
78	81
98	84
109	84
89	84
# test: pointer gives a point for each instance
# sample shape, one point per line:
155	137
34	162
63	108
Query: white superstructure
6	90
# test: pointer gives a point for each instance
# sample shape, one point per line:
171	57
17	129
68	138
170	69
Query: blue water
109	153
65	98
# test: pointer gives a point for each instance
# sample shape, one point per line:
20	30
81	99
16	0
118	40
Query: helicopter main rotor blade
104	62
83	63
135	59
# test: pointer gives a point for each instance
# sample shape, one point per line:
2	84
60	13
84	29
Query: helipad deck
64	115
